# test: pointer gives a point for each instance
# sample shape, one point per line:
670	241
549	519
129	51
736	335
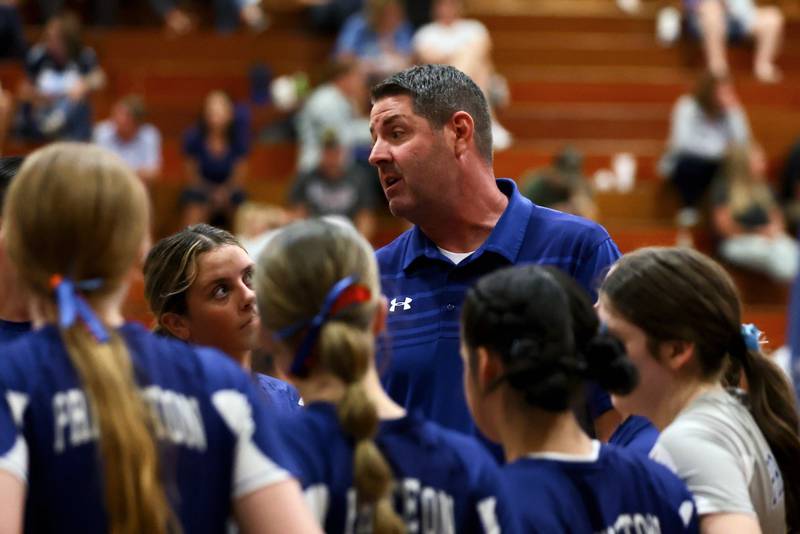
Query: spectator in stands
379	37
335	187
61	73
790	189
562	186
466	45
734	20
126	134
330	15
12	38
216	150
704	126
748	220
337	105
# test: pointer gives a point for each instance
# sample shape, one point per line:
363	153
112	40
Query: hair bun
609	366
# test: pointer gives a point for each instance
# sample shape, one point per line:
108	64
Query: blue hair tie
330	306
752	337
72	306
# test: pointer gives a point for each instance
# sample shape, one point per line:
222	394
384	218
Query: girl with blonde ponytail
366	466
105	427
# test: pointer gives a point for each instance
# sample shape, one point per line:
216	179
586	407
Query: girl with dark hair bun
679	316
530	340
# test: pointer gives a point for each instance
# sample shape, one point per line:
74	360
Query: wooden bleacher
580	72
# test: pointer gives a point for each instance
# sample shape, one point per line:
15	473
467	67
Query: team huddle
498	368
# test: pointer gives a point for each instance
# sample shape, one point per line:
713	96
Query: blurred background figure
718	21
451	39
748	221
12	36
561	186
215	151
790	189
379	37
339	105
61	74
335	187
704	126
126	134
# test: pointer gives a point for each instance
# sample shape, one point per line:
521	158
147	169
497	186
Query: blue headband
299	366
72	306
752	337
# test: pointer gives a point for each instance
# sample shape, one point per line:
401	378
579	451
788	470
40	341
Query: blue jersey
11	330
636	434
445	482
614	491
216	441
425	289
281	396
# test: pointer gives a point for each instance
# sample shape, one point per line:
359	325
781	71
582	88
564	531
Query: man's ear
177	325
676	354
463	130
379	322
488	370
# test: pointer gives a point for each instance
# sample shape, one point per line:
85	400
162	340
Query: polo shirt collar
506	237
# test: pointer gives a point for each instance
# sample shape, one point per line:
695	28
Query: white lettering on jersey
634	524
424	510
176	418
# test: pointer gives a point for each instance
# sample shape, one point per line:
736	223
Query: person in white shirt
678	314
464	44
126	134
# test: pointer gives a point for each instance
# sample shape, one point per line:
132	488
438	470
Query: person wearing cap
335	187
431	129
126	134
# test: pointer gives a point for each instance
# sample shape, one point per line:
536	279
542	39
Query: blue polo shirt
420	353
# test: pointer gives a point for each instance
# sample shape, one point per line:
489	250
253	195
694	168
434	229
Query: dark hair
171	267
705	93
543	327
678	294
9	167
135	105
437	92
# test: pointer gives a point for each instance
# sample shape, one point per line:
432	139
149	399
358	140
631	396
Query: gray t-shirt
715	446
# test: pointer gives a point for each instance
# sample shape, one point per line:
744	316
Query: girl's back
445	482
214	443
612	490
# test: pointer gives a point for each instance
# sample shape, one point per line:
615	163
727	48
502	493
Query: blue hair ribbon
752	337
334	301
71	306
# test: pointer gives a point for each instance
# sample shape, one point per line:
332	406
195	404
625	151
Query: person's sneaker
501	138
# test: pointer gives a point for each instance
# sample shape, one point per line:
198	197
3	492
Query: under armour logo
406	304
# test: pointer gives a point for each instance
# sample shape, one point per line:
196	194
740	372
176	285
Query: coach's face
410	156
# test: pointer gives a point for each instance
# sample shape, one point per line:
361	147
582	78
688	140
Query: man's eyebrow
387	121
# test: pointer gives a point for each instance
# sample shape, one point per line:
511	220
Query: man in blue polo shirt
433	149
14	319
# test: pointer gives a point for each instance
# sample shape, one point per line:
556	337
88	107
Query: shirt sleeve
347	41
13	446
591	271
259	455
711	472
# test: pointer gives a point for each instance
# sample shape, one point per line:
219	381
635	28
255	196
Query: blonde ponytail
90	224
346	351
134	496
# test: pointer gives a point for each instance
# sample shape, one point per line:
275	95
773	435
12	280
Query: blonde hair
293	277
89	222
744	189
